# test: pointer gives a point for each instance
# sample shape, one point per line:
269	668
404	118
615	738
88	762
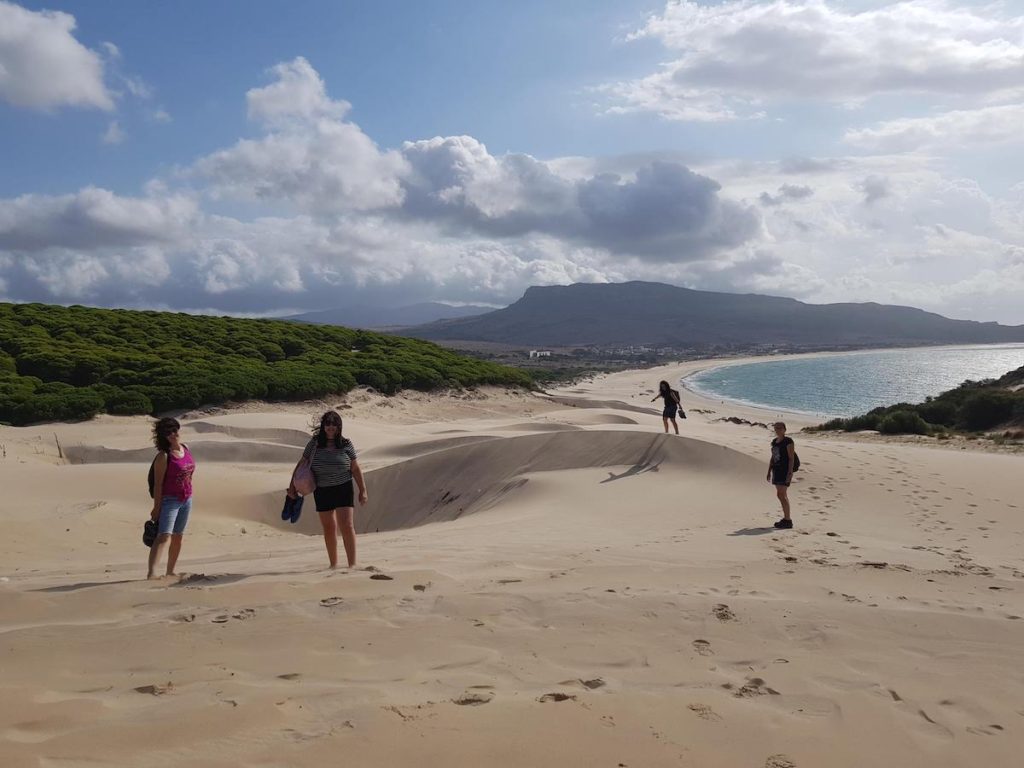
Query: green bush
985	409
58	362
903	422
129	404
72	406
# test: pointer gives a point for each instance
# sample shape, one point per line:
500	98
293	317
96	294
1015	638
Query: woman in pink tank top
172	493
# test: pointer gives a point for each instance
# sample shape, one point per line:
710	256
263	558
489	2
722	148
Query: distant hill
604	314
362	316
66	363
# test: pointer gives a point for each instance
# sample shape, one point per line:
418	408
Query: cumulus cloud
341	219
310	156
786	193
795	165
734	58
316	161
43	66
949	130
663	211
874	188
90	219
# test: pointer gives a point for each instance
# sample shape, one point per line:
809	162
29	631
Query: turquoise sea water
850	384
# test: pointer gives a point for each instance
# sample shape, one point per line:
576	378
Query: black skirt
334	496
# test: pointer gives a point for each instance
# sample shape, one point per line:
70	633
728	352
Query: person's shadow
752	531
636	469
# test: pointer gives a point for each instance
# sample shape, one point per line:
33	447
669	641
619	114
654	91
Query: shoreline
711	364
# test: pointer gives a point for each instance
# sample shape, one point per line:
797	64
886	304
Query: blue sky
262	158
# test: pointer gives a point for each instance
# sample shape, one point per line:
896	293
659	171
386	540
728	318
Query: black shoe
783	523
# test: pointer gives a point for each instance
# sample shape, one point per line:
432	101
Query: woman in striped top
334	467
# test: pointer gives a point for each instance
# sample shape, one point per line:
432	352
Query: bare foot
152	577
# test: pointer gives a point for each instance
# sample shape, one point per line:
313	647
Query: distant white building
539	353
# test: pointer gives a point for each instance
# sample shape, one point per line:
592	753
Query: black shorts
334	496
669	413
780	475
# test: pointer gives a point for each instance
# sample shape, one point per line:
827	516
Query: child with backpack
783	464
171	488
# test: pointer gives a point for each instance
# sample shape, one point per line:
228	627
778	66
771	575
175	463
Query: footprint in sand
382	577
155	690
327	602
473	699
723	612
703	648
704	712
556	697
779	761
754	686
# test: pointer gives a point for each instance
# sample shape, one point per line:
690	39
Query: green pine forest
72	363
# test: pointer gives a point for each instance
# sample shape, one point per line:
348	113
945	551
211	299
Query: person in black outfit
780	470
672	404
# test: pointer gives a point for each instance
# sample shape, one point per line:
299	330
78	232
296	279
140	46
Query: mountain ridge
371	317
645	313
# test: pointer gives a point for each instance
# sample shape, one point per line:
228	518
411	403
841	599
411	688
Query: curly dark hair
329	418
161	430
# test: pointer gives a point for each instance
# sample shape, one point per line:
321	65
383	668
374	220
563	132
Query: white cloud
661	211
92	218
786	193
735	57
341	219
310	157
316	162
113	134
297	93
950	130
43	66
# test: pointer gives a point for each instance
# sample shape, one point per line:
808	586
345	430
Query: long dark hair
161	430
331	417
665	390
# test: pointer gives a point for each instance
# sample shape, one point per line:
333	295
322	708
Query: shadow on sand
753	531
636	469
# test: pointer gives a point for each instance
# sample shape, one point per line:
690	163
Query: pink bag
302	478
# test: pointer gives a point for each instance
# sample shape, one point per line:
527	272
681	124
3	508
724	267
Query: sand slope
604	596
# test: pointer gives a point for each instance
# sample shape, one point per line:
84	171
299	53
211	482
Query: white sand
567	550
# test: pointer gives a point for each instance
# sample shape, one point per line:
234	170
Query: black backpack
152	475
796	461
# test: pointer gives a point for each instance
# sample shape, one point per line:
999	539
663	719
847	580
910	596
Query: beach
543	580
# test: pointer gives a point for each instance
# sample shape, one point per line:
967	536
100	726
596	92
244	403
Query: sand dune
204	450
294	437
582	597
464	479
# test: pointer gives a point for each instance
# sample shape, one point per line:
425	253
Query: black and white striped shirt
331	466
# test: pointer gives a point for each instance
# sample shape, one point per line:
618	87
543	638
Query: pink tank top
178	478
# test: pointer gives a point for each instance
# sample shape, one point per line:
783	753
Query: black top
671	397
780	452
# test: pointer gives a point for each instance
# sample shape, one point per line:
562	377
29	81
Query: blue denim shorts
174	515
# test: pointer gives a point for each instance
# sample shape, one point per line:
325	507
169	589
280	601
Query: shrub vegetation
974	406
68	363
